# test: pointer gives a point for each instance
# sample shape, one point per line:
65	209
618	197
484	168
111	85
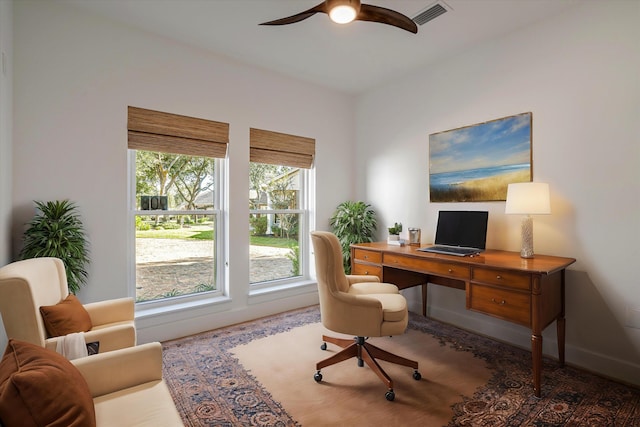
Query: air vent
429	14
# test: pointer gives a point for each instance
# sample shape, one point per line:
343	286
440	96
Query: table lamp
527	198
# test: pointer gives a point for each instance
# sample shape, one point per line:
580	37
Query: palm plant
57	231
352	222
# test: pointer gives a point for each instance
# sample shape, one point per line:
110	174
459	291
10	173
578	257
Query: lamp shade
528	198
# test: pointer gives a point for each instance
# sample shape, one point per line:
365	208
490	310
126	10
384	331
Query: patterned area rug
211	388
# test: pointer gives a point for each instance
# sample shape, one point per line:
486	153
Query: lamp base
527	237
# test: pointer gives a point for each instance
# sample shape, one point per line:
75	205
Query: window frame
219	190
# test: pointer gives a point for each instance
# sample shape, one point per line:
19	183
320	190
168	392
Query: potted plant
394	233
57	231
352	222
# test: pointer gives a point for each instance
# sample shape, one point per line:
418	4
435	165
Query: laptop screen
462	228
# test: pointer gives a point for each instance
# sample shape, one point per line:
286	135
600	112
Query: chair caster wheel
360	363
317	376
390	395
417	376
323	346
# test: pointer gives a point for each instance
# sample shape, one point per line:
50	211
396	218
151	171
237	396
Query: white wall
6	126
75	76
579	75
6	129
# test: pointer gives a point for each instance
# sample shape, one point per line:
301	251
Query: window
176	181
279	204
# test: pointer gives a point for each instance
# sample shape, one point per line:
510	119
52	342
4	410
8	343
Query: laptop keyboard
453	250
450	250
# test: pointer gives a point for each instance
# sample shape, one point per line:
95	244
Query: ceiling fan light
342	14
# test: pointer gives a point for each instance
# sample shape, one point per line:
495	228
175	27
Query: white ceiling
350	58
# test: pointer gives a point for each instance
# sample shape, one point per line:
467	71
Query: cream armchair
128	389
119	388
363	309
27	285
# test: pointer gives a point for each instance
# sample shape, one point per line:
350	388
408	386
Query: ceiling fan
345	11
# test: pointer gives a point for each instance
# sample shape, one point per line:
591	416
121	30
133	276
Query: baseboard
598	363
601	364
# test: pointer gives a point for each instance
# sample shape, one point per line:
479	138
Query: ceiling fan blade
298	16
386	16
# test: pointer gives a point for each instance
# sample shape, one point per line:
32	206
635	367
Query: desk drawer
367	270
368	256
508	279
426	266
508	305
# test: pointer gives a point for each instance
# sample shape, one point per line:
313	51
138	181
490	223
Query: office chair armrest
359	278
111	311
121	369
357	314
358	300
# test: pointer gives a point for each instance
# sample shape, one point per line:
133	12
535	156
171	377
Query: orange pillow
66	317
40	387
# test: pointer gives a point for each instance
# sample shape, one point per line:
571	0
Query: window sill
266	294
146	311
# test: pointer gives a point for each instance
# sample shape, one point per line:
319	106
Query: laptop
460	233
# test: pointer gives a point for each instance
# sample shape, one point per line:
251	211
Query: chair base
367	353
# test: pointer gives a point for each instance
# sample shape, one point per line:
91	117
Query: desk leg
560	324
424	299
536	351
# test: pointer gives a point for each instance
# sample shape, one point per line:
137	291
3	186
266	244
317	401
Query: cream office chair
27	285
369	309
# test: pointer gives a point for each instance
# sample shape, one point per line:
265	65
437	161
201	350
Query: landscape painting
476	163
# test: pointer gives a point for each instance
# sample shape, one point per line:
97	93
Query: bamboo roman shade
281	149
171	133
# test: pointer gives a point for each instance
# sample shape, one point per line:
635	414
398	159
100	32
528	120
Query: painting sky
496	143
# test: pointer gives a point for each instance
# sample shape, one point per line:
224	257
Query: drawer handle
503	302
366	273
499	277
366	257
450	271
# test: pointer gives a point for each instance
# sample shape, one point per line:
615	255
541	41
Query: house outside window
277	216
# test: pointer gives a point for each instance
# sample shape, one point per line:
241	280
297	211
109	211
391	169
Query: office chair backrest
328	256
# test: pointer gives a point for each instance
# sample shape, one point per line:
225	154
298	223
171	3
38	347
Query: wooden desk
528	292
